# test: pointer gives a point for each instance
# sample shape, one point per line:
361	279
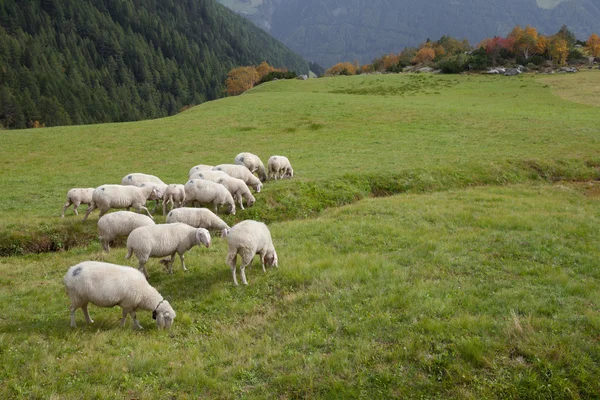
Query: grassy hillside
478	281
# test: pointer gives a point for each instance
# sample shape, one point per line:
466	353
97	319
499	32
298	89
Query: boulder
512	72
493	72
425	69
302	77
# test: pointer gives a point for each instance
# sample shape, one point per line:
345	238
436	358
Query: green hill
82	62
330	31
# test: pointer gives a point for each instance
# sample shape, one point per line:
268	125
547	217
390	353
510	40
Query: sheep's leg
171	261
231	261
262	261
181	257
91	208
246	260
73	309
86	314
240	199
67	204
125	312
136	324
75	205
105	245
141	267
102	212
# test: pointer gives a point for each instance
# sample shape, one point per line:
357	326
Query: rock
570	70
425	69
512	72
493	72
501	70
302	77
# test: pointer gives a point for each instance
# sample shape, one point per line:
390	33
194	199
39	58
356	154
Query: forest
68	62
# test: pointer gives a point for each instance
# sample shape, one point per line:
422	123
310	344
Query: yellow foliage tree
263	69
593	45
343	68
424	55
526	41
558	50
241	79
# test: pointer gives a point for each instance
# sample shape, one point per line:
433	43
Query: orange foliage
366	69
390	60
527	41
263	69
593	45
241	79
343	68
558	49
424	55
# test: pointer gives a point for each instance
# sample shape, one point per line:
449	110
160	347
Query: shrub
453	65
277	75
479	60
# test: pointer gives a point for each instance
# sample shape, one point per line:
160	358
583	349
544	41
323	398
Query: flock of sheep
107	285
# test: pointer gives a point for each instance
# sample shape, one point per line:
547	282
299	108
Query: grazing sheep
164	240
199	168
139	179
174	193
106	197
247	239
120	223
108	285
253	163
279	167
212	176
207	192
198	218
238	189
240	172
77	196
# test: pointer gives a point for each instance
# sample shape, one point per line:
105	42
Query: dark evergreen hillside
88	61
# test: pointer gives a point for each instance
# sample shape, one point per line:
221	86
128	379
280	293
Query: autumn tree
241	79
343	68
263	69
494	46
593	45
425	55
558	49
525	41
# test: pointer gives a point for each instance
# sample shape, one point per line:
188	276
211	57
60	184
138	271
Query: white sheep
106	197
238	189
199	168
240	172
253	163
164	240
174	193
139	179
207	192
212	176
77	196
108	285
279	167
198	218
247	239
120	223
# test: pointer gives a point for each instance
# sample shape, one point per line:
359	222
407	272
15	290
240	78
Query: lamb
247	239
199	168
198	218
207	192
240	172
253	163
212	176
175	194
279	167
120	223
77	196
164	240
106	197
139	179
108	285
238	189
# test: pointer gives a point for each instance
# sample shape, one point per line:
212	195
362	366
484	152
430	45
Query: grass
479	281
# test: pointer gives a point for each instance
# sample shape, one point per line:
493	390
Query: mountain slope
79	62
329	31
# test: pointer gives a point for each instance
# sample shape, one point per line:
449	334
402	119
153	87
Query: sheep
175	194
108	285
106	197
77	196
120	223
198	218
139	179
164	240
247	239
207	192
212	176
238	189
253	163
199	168
240	172
279	167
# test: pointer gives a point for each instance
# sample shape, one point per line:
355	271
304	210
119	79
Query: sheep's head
232	208
289	172
203	236
250	200
164	315
270	258
225	232
257	187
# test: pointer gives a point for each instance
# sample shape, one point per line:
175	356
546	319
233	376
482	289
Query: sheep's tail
128	255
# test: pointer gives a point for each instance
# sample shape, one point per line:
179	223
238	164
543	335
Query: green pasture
439	240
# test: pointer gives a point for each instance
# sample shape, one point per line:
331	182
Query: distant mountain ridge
330	31
66	62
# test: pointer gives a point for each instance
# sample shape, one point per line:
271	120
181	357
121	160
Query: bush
453	64
478	60
278	75
576	56
536	59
